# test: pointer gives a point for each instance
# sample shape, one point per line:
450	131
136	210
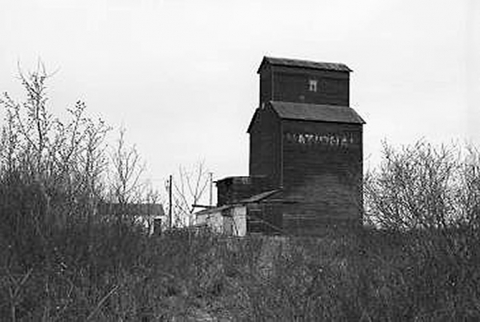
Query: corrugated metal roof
304	64
315	112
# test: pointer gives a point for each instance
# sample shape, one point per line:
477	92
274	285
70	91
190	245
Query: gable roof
316	112
303	64
310	112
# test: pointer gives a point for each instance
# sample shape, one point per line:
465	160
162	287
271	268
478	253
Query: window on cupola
312	85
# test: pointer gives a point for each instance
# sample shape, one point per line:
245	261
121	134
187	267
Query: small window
312	85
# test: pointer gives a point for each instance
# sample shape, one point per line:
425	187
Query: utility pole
211	189
170	201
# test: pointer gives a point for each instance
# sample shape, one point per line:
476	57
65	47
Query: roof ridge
316	112
310	104
303	63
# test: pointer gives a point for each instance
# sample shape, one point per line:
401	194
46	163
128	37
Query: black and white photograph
253	160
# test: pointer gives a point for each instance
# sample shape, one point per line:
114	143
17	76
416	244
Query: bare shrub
423	186
59	259
428	196
51	171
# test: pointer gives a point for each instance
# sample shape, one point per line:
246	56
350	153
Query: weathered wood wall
288	84
265	146
234	189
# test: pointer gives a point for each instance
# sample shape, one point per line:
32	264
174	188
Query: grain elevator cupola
301	81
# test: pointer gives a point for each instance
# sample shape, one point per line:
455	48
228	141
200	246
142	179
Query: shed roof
253	199
304	64
316	112
261	196
213	210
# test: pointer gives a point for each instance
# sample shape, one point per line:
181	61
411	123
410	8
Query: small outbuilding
250	215
149	215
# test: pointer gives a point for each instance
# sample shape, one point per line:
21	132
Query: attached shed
260	213
228	220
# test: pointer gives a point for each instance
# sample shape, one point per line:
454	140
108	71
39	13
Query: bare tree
189	189
126	172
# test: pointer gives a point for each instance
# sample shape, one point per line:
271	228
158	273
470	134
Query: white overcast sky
181	74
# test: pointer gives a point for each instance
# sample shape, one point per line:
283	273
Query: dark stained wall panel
290	84
322	169
289	87
265	146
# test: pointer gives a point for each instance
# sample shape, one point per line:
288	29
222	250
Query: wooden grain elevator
306	152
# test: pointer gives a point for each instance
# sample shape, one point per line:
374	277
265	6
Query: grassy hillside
368	276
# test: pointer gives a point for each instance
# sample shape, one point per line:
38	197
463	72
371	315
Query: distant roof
136	209
316	112
304	64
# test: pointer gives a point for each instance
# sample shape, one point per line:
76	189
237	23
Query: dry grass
370	276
